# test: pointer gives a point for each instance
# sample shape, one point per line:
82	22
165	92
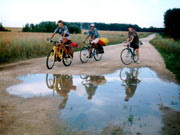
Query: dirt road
19	116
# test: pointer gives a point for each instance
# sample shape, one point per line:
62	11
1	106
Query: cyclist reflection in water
131	83
91	84
63	84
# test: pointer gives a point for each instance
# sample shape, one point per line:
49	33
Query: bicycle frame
58	53
133	51
59	50
88	45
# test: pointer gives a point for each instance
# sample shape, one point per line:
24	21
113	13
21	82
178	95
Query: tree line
49	26
172	23
76	27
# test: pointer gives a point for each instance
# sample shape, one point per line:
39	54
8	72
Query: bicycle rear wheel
84	55
50	61
67	61
97	55
126	56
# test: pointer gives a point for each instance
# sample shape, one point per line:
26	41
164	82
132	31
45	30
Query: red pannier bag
101	43
74	44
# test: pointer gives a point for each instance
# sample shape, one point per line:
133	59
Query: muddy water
128	101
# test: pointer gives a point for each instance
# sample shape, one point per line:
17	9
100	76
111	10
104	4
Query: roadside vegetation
170	50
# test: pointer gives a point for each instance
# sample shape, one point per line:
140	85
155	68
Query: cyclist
134	40
93	33
63	31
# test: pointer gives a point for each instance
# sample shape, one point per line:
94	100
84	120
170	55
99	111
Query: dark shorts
134	45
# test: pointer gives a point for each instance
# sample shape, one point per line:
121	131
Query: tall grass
170	51
22	49
16	46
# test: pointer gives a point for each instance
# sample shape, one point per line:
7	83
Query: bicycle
128	55
54	55
85	53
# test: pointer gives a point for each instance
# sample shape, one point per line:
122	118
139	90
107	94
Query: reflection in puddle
126	101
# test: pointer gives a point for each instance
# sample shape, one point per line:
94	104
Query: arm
52	35
93	37
66	31
86	39
133	36
127	39
132	39
63	35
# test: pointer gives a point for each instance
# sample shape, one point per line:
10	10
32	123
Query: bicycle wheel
50	80
123	73
84	76
67	61
126	56
97	55
84	55
50	61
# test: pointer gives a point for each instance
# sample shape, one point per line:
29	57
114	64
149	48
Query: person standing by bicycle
134	40
93	33
63	31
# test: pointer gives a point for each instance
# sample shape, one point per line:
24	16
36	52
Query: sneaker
138	61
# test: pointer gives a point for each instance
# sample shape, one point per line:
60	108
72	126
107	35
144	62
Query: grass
170	50
15	45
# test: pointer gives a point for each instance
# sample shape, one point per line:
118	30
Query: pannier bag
74	44
103	41
100	48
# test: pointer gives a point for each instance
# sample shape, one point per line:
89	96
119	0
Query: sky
145	13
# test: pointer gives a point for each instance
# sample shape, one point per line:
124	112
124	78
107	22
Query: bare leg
64	40
137	52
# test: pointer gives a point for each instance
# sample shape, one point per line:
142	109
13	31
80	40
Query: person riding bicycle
93	33
134	40
63	31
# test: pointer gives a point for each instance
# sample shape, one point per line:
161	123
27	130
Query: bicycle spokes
126	56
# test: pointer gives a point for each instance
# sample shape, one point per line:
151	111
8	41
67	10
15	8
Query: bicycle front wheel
50	81
97	55
84	55
50	61
126	56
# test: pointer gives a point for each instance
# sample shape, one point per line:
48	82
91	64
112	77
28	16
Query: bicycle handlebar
51	41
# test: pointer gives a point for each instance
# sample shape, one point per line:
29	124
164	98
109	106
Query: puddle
126	101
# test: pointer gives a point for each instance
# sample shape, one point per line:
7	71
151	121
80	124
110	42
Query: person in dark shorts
63	31
134	40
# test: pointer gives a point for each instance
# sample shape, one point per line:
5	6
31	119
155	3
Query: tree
172	22
2	28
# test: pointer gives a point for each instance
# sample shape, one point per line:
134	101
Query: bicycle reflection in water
91	84
62	84
130	81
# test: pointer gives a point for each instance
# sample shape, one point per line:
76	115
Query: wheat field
17	45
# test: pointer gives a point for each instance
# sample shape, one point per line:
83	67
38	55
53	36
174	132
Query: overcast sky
145	13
